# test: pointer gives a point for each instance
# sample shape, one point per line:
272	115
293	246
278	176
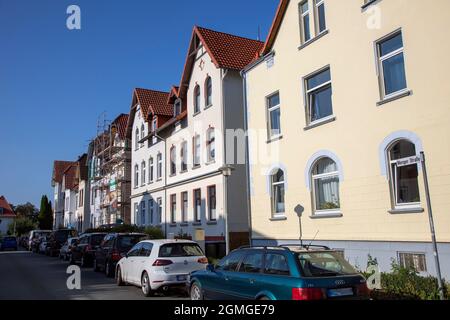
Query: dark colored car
113	248
83	252
280	273
57	240
9	243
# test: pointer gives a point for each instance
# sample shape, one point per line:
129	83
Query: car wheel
145	285
196	292
95	266
119	280
108	269
264	298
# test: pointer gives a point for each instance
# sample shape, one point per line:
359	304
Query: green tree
27	210
45	217
23	226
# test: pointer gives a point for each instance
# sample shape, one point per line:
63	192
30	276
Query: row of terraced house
297	136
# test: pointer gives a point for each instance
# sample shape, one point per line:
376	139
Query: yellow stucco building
342	91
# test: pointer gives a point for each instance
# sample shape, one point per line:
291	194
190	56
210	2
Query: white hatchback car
160	264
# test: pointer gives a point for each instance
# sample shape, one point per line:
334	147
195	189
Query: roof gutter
257	62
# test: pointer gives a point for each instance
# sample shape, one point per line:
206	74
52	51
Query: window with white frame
274	116
278	190
177	108
184	155
142	135
325	183
136	137
319	96
136	176
212	203
159	210
184	207
136	213
196	150
154	124
197	205
305	21
413	261
208	92
173	208
391	65
143	173
173	161
197	99
151	171
211	145
159	166
151	208
404	179
321	24
142	222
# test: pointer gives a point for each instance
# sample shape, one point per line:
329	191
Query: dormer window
197	99
154	124
177	108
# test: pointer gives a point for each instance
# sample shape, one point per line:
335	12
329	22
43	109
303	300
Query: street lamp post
227	171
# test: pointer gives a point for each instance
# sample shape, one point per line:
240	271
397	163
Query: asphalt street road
28	276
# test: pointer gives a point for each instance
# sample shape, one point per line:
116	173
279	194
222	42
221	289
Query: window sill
196	114
197	224
279	218
327	215
312	40
173	225
172	175
211	223
208	107
184	224
196	167
368	4
319	123
397	96
183	171
211	162
274	139
407	211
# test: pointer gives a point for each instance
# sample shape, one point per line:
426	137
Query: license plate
181	278
334	293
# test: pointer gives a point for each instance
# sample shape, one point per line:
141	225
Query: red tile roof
228	51
154	102
70	176
7	210
58	170
282	7
121	124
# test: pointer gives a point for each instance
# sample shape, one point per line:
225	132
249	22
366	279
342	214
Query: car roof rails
262	247
305	246
286	247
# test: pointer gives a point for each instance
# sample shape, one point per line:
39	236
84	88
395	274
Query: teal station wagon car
279	273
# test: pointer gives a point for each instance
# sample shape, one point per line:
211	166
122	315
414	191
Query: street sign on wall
408	161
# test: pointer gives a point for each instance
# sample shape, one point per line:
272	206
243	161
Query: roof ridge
152	90
229	34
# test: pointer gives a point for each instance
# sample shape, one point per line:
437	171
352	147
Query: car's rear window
174	250
9	239
97	239
324	264
127	242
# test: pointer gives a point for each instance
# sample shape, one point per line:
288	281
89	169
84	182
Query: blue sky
54	83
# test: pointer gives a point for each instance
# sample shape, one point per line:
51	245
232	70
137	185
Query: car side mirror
210	268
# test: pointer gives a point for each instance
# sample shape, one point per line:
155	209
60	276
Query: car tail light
161	263
307	294
116	256
362	290
203	260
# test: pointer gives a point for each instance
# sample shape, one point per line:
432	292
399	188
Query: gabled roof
58	170
121	124
275	26
152	101
70	176
226	51
7	210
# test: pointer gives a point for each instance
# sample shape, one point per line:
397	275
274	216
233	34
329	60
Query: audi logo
340	282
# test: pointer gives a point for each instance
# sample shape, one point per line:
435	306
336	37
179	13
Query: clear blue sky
54	83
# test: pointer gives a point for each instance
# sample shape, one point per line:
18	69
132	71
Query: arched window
208	91
404	178
211	144
173	161
278	190
142	134
143	172
151	170
136	137
325	184
136	176
184	155
197	99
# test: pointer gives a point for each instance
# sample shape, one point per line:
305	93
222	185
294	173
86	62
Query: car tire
108	270
119	280
196	293
95	266
145	285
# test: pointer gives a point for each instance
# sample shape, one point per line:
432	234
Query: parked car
83	252
160	264
57	240
9	243
34	238
113	248
43	245
65	251
279	273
